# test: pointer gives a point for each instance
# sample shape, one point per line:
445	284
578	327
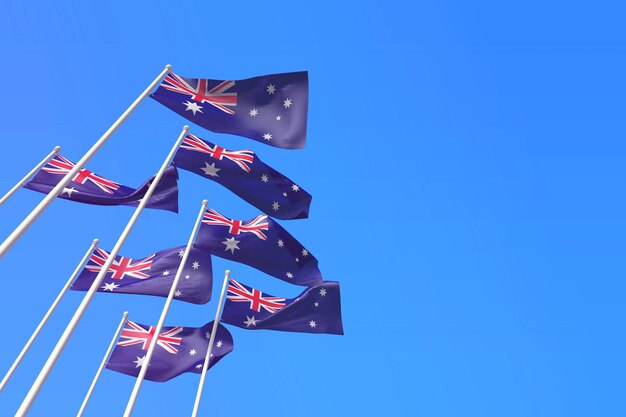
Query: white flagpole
43	374
19	358
166	307
32	172
207	358
30	219
102	364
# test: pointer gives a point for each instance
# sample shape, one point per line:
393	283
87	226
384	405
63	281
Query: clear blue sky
467	165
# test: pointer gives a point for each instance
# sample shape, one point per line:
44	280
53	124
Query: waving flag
261	243
152	275
178	350
246	175
87	187
271	109
316	310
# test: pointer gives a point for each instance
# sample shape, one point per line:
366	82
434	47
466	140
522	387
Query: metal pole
207	358
19	358
34	390
32	172
102	364
166	307
30	219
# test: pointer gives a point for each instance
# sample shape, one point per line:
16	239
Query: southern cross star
178	293
231	244
253	112
69	191
210	170
264	178
195	265
275	206
193	107
271	88
287	103
295	187
192	352
312	323
323	292
281	243
267	136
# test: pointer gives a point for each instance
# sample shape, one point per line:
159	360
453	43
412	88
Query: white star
140	361
289	275
267	136
166	273
207	335
192	352
181	253
210	170
278	118
178	293
231	244
264	178
281	243
218	344
69	191
271	88
109	287
295	187
195	265
317	304
285	194
193	107
305	252
323	292
287	103
297	259
187	277
275	206
253	112
312	323
250	321
199	366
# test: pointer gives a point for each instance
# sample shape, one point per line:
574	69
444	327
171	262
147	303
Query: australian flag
178	350
261	243
91	188
316	310
152	275
246	175
271	109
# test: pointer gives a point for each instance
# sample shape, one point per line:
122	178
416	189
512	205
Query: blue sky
466	161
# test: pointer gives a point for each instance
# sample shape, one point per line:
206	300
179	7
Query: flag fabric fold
178	350
152	275
90	188
316	310
261	243
270	109
243	173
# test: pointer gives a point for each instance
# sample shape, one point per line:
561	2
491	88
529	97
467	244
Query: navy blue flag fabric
246	175
91	188
178	350
316	310
152	275
261	243
271	109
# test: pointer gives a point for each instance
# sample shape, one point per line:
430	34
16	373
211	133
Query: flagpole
32	172
166	307
47	200
102	364
207	358
19	358
43	374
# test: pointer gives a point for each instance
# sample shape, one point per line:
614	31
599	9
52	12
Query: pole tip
95	241
228	272
205	202
57	149
186	128
125	314
168	67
